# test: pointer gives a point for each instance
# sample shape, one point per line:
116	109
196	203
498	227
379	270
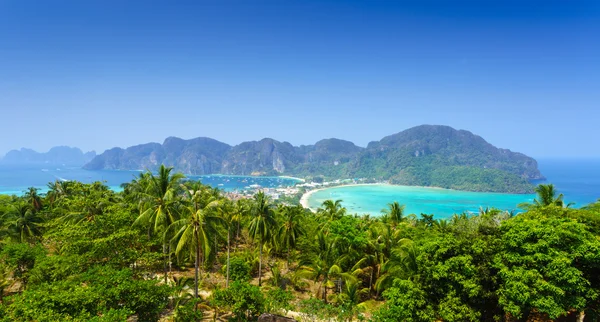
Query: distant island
426	155
58	155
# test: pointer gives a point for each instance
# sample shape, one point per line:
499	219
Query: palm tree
593	206
443	225
395	213
427	220
403	263
89	204
160	203
546	196
241	212
261	225
180	296
290	229
56	191
381	235
193	233
23	221
34	200
332	209
135	189
323	266
373	259
160	199
351	297
59	189
228	216
199	195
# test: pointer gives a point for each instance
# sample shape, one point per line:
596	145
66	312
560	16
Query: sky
524	75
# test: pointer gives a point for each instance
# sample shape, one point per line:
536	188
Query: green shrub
239	271
22	257
101	291
278	301
245	301
405	301
186	312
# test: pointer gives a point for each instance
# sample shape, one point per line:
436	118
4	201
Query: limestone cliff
428	155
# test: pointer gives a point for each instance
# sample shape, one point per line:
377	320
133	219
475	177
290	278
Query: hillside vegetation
175	250
427	155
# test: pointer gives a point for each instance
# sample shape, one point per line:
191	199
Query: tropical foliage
173	249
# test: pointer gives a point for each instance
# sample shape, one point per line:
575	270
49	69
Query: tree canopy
167	247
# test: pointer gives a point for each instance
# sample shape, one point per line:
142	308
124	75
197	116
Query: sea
578	180
14	180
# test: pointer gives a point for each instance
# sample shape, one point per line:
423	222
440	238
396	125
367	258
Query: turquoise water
14	180
578	180
441	202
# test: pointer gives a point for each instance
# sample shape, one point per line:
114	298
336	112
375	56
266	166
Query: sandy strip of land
306	195
294	178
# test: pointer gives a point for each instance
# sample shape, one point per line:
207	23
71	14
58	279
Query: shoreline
306	196
293	178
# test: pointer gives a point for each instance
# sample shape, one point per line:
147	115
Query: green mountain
427	155
441	156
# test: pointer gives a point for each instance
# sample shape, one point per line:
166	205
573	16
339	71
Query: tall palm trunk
371	281
165	261
325	290
196	266
378	276
170	262
260	264
237	236
228	246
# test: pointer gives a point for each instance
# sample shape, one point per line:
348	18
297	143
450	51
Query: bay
14	180
578	180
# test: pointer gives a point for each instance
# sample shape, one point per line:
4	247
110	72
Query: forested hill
426	155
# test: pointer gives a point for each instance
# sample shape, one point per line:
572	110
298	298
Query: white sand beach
306	195
293	178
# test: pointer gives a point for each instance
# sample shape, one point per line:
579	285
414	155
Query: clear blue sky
525	75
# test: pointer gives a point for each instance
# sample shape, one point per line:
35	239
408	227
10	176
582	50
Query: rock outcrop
427	155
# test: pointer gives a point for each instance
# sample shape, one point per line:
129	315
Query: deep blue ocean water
578	180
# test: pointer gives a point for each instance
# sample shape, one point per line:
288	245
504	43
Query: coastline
306	195
294	178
